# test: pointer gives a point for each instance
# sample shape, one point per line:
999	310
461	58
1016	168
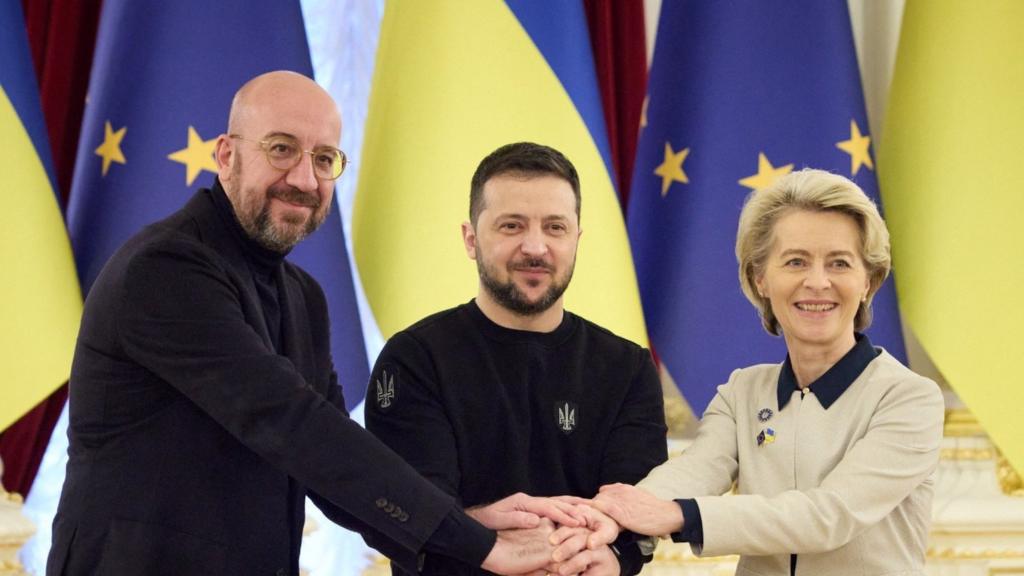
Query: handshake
567	535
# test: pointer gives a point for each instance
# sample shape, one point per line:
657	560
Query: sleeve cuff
462	538
629	554
693	528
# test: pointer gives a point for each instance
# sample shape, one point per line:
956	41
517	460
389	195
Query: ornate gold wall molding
960	423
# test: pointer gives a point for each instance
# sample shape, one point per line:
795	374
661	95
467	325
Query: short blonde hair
815	191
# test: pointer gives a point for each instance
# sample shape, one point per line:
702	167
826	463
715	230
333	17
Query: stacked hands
568	535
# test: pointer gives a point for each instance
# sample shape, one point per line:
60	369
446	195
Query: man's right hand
521	551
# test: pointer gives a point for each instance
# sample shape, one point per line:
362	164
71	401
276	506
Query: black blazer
192	443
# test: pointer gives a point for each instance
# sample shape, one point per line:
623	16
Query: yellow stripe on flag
453	82
40	301
951	176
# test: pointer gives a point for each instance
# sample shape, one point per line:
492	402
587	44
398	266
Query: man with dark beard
203	402
510	393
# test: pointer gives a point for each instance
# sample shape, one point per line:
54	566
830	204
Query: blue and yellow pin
766	436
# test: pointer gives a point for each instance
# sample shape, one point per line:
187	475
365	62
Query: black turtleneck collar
831	385
263	260
510	335
263	263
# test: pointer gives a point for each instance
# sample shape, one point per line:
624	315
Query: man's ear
224	154
469	239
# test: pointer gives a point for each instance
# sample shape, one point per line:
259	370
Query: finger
601	538
570	547
574	500
576	564
539	572
560	512
603	532
590	514
562	534
520	520
609	507
604	525
573	510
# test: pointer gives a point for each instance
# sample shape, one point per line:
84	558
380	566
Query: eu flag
740	93
162	82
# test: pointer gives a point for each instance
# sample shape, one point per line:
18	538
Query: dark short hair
521	158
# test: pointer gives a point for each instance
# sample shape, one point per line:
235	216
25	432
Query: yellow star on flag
857	148
766	173
197	156
110	150
671	170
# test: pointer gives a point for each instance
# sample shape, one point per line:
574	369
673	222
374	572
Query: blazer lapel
213	230
295	326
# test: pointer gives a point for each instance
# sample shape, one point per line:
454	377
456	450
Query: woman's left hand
639	511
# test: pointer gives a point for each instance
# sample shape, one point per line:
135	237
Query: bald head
278	205
270	94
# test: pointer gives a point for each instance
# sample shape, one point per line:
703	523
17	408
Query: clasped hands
568	535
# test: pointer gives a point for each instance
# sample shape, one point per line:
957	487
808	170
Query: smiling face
815	280
278	208
524	243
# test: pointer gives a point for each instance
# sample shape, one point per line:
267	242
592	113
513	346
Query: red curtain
61	35
620	53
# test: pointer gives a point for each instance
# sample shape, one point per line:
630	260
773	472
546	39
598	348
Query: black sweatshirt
484	411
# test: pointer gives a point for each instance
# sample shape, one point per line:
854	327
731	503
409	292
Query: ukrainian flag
951	177
40	302
453	81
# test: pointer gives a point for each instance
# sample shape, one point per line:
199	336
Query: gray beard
261	229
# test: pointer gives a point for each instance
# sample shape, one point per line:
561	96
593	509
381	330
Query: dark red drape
61	35
618	40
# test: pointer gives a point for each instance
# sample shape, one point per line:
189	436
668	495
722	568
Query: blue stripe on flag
559	30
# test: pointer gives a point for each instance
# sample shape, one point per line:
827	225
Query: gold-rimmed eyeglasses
284	153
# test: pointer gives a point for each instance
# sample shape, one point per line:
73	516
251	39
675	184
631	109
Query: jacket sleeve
637	442
635	445
399	555
898	452
710	464
404	410
183	317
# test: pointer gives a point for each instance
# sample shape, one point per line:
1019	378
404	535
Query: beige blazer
847	489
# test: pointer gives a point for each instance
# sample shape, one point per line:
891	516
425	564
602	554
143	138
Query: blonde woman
833	450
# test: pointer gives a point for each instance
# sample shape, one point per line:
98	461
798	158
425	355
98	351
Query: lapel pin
766	436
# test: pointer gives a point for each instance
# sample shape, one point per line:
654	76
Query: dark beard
262	229
508	295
